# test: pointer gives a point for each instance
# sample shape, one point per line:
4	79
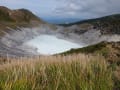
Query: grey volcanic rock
13	32
15	40
19	26
94	31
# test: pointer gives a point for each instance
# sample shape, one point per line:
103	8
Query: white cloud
67	8
88	8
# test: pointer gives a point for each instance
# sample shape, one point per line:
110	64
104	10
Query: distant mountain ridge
107	25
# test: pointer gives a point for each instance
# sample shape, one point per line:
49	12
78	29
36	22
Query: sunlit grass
75	72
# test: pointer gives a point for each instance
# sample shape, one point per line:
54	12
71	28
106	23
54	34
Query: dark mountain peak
18	15
4	14
4	8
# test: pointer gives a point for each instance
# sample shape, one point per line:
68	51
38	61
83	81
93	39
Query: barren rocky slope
11	23
95	30
19	26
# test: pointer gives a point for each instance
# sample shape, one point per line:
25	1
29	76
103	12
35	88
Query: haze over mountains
20	26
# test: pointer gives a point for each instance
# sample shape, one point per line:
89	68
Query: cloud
88	8
63	8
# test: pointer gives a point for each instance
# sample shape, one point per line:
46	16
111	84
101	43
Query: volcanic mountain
19	26
12	21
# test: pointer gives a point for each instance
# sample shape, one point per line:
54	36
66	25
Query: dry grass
73	72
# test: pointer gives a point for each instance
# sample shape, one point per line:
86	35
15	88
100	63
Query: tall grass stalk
76	72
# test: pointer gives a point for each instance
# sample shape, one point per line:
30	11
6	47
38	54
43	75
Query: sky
79	9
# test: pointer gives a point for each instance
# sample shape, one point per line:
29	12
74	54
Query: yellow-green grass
73	72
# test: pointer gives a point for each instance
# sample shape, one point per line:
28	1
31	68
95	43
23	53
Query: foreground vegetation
73	72
110	51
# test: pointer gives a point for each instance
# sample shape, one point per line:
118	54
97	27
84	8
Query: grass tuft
75	72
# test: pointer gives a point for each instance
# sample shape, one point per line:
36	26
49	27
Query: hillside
93	31
13	32
19	17
110	50
19	26
107	25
